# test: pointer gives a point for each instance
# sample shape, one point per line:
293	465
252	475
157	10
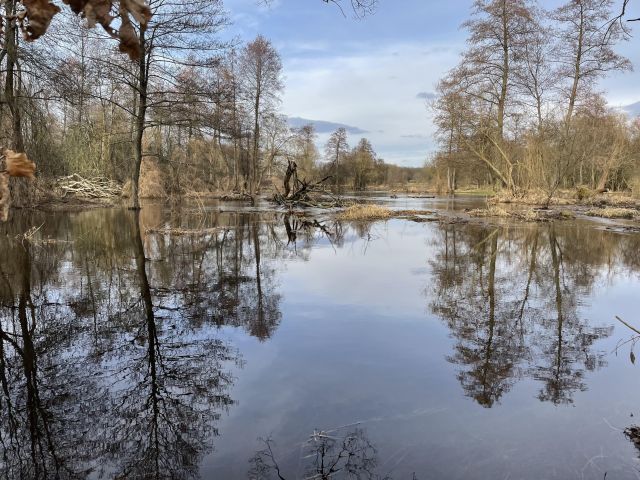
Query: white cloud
374	89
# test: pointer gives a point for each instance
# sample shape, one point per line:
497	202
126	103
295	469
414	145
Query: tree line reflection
112	363
511	298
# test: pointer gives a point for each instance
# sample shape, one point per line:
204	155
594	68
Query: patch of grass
365	212
532	197
407	213
485	192
376	212
612	212
492	211
615	200
526	215
565	215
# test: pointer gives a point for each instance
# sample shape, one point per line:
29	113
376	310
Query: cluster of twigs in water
326	455
632	432
304	193
633	340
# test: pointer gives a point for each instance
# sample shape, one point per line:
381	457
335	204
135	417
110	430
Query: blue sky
373	74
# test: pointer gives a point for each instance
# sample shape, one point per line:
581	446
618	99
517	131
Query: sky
375	75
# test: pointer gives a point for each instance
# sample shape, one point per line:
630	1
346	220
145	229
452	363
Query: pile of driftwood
75	185
303	193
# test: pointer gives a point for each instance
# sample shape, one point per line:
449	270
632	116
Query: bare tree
335	150
536	76
305	151
261	77
485	78
586	52
179	34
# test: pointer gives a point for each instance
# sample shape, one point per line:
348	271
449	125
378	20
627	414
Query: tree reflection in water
112	357
326	455
110	361
510	298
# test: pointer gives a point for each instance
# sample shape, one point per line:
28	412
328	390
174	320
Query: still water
212	343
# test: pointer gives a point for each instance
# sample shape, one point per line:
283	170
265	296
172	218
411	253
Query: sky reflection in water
459	350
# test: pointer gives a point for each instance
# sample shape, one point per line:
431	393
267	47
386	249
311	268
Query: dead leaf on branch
18	165
34	20
36	17
127	35
138	9
96	11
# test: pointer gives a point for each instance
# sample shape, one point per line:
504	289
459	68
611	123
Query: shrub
610	212
583	193
365	212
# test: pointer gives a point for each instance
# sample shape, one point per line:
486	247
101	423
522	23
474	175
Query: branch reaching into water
627	325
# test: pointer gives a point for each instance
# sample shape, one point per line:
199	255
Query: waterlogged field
231	343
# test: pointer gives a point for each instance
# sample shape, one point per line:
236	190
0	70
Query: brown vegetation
532	197
612	212
526	214
376	212
521	112
4	197
365	212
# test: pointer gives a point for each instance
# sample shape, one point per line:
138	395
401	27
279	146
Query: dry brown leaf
18	165
138	9
99	11
36	17
129	43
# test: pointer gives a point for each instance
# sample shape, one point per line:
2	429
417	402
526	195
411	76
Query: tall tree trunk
256	145
577	71
11	92
143	80
604	178
502	100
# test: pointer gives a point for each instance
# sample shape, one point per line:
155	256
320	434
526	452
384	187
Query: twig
627	325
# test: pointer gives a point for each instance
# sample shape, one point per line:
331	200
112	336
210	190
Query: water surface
174	344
